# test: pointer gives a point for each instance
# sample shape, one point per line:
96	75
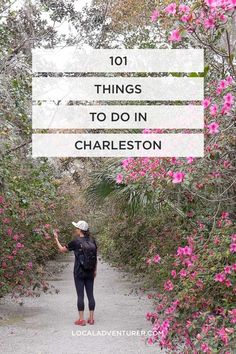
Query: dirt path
45	325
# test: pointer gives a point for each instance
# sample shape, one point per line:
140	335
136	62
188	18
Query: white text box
117	145
118	89
52	116
71	59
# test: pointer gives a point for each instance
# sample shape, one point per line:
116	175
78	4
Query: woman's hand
55	234
60	247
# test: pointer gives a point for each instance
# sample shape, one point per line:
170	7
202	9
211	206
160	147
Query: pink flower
229	80
225	215
205	348
227	164
146	131
174	161
47	226
173	273
119	178
228	283
190	160
2	200
155	15
184	251
227	269
142	173
211	3
6	221
156	258
223	84
209	23
185	18
178	177
9	231
187	251
223	335
188	263
4	265
19	245
226	108
16	237
213	109
127	162
171	8
150	341
213	128
199	284
30	265
184	8
168	286
149	315
233	238
175	36
233	248
183	273
220	277
233	267
206	102
172	308
232	314
229	98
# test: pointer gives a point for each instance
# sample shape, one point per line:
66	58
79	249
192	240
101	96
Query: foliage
189	201
32	202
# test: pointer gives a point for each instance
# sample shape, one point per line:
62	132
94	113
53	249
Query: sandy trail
45	325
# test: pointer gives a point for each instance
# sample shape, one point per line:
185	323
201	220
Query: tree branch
17	147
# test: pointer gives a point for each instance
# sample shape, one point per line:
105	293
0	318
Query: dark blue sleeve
71	246
96	251
95	244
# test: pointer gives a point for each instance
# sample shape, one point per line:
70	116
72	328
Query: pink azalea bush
29	209
21	256
181	235
195	306
198	296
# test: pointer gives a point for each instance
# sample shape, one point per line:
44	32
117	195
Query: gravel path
45	325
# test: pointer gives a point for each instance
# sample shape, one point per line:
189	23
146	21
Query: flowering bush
196	310
20	272
31	200
187	246
29	209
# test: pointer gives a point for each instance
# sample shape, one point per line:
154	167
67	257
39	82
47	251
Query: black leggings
80	284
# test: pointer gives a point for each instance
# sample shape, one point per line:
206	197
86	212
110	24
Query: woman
85	266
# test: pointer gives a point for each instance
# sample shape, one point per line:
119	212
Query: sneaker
80	322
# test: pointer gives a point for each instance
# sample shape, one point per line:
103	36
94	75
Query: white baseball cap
82	225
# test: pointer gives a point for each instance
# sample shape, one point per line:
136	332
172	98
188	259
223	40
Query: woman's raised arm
61	248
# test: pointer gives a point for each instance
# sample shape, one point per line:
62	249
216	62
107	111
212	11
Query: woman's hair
86	233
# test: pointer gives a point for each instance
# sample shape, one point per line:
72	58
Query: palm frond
132	198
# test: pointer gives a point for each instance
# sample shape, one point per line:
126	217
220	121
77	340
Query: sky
62	28
78	3
65	27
